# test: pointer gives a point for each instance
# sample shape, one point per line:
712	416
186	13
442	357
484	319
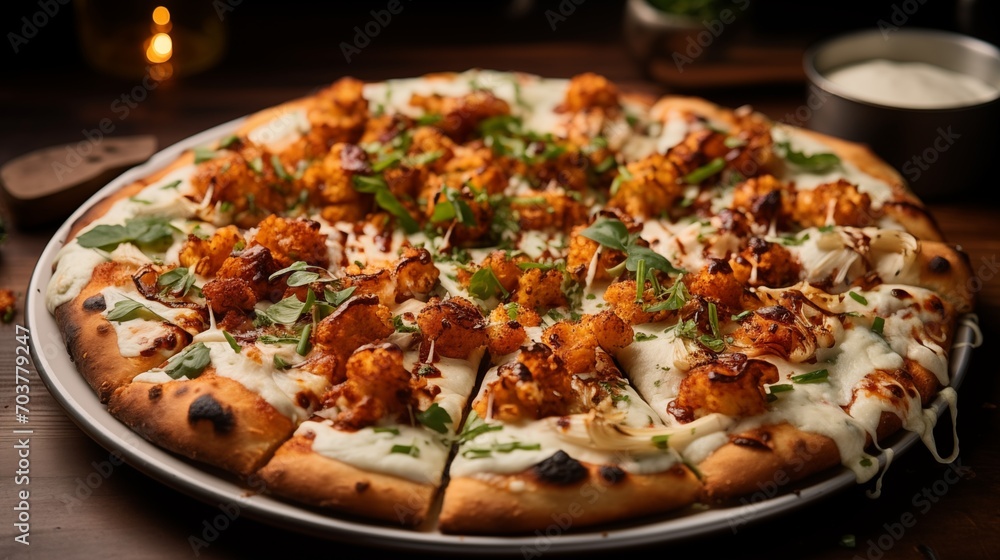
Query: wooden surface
84	506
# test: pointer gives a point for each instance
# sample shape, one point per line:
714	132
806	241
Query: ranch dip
911	85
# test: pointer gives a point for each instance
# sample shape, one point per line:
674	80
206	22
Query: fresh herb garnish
642	337
818	376
411	450
129	309
506	447
232	342
435	418
475	426
386	200
177	281
858	298
704	172
302	348
815	163
385	430
202	154
660	441
402	327
877	325
288	310
453	207
189	363
484	284
145	231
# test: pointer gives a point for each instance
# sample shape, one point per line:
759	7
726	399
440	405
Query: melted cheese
278	387
879	191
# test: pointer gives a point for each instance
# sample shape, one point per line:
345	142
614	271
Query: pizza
479	301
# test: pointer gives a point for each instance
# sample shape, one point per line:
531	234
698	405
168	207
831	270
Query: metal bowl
940	152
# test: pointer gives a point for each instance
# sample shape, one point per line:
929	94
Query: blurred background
66	61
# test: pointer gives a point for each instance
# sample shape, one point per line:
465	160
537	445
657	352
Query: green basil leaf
484	284
232	342
613	234
190	363
816	163
129	309
335	298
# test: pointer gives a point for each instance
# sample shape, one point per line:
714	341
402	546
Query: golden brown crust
91	339
751	461
299	473
487	505
212	419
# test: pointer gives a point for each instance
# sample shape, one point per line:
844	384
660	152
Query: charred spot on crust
361	486
560	469
899	294
611	474
206	407
155	392
95	303
939	265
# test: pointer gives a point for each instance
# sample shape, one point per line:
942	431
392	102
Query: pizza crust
488	504
212	419
91	339
299	473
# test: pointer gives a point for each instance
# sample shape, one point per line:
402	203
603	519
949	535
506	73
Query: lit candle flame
161	15
160	46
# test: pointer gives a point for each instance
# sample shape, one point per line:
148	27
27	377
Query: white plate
82	405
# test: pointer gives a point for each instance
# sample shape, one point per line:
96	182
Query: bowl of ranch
926	101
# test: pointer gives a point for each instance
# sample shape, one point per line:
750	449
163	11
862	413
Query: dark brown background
278	51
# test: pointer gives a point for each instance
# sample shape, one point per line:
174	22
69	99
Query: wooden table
82	505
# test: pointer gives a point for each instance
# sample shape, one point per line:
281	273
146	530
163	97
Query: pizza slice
801	380
557	431
379	444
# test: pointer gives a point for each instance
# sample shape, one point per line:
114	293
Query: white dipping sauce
912	85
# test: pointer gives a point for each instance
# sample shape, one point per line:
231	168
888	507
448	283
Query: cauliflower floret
732	385
590	90
839	203
291	240
455	326
205	256
376	386
536	386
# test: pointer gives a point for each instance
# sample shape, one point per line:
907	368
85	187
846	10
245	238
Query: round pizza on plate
480	300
